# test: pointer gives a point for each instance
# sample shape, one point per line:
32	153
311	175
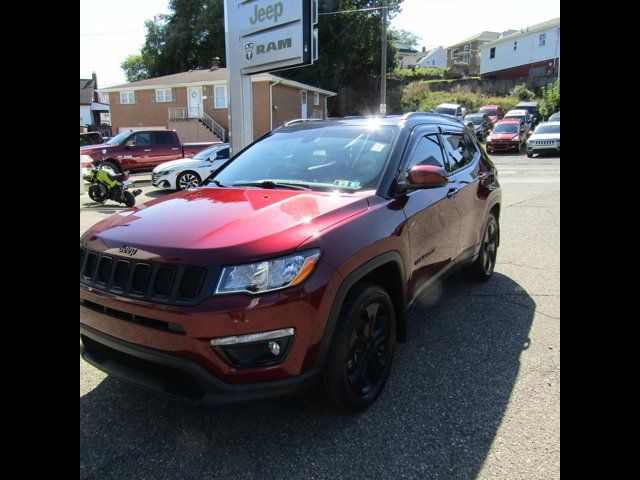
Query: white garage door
135	129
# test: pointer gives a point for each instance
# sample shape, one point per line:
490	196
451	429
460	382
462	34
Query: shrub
522	93
550	99
417	97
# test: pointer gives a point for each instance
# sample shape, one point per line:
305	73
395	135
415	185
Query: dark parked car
480	123
294	267
90	138
533	109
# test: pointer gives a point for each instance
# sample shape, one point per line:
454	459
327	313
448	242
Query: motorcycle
108	185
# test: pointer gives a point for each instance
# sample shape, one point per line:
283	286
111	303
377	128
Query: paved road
474	394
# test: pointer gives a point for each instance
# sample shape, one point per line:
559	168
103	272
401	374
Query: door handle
452	192
147	149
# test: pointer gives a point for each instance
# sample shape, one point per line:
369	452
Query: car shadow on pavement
437	417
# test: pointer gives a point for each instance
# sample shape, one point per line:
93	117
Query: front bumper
539	148
181	379
503	146
164	182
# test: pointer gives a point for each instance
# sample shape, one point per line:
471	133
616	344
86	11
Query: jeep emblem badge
127	250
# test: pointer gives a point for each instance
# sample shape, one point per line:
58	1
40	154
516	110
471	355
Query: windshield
317	156
548	129
445	111
489	111
206	153
476	119
118	139
506	128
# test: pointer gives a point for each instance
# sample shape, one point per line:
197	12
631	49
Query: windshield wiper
216	183
273	184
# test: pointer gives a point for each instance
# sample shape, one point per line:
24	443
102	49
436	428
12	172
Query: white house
409	56
435	58
531	52
94	107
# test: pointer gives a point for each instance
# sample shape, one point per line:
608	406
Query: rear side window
427	152
162	138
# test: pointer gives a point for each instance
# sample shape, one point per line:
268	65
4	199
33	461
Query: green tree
134	68
405	36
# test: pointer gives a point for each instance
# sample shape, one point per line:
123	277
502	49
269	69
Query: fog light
256	349
274	348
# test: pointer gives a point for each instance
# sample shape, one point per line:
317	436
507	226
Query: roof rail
300	120
409	115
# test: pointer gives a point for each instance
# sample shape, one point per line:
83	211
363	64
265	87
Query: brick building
195	103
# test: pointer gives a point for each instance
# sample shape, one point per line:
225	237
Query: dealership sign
263	36
275	34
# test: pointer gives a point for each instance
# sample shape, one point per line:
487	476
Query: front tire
95	194
188	180
108	165
362	349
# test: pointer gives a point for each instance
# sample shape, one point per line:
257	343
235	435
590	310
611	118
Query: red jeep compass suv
292	268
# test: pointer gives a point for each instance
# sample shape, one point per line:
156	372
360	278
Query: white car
523	115
451	109
190	172
545	138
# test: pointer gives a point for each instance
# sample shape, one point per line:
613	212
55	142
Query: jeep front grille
150	281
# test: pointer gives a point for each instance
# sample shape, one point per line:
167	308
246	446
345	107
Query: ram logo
248	51
127	250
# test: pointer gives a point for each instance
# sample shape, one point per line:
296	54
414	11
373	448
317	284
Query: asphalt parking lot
474	393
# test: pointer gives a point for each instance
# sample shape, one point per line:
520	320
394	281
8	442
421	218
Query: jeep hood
218	226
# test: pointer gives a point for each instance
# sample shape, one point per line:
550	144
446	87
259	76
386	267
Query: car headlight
269	275
165	172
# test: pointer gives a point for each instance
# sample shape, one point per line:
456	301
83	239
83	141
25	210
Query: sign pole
383	75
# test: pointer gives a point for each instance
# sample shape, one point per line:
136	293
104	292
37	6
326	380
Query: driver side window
142	140
428	152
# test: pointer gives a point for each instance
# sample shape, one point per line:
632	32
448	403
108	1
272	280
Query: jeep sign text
271	12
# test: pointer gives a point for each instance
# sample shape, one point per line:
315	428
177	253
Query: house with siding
93	109
528	53
195	103
434	58
467	52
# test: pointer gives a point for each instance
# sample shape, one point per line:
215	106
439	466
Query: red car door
433	217
166	147
466	164
139	152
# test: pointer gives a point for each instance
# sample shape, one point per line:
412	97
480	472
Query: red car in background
494	112
139	151
507	135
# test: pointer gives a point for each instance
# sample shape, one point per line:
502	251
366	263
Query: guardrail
178	113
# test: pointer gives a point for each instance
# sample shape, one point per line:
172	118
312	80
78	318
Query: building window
454	54
316	98
127	98
465	58
164	95
103	98
220	96
515	45
543	39
492	52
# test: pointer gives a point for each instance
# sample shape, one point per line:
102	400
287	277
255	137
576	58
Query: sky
109	32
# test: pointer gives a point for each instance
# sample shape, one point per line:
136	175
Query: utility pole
383	76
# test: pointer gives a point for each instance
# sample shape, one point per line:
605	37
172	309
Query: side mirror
422	177
130	144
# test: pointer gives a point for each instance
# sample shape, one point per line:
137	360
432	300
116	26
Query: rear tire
482	268
361	352
115	168
129	199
